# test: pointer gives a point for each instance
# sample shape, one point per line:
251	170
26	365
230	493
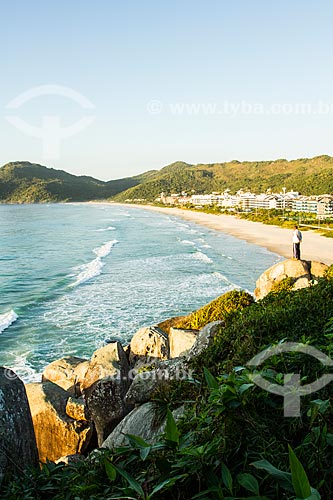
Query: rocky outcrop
18	445
148	345
146	383
57	433
204	338
143	386
181	341
303	272
67	372
141	422
104	387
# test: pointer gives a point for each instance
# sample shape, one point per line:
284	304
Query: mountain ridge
26	182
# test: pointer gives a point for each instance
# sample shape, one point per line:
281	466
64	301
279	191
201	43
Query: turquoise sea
73	276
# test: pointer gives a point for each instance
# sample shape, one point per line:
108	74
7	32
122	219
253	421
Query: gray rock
142	388
146	383
140	422
204	338
104	387
18	448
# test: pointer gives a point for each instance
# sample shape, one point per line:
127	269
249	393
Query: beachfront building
325	206
203	199
307	204
227	201
247	201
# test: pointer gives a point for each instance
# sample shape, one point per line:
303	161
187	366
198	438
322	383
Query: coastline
273	238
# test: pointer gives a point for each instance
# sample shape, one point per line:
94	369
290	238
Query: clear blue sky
123	55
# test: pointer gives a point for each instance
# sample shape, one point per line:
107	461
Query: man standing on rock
297	239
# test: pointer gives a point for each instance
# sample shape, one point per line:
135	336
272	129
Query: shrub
284	285
218	309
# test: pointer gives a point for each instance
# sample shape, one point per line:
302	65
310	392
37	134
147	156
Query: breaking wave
7	319
94	267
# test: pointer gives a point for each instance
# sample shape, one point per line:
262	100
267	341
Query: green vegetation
217	310
233	442
309	176
24	182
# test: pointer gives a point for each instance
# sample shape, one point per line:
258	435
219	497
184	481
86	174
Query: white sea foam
89	271
203	257
221	277
22	368
182	224
187	242
7	319
105	249
102	230
94	268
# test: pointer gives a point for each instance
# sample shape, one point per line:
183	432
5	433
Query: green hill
24	182
308	176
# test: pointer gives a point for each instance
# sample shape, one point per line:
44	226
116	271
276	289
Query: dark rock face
104	387
18	448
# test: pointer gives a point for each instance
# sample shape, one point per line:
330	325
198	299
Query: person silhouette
297	239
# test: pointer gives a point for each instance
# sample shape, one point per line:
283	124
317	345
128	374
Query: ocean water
74	276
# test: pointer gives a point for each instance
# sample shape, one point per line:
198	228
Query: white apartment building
321	205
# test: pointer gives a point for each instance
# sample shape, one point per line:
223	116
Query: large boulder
104	387
141	422
143	386
18	448
303	272
146	383
181	341
148	345
57	433
67	372
204	339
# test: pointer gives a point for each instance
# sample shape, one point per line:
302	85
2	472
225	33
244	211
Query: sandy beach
275	239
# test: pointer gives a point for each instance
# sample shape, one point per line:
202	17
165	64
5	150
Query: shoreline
273	238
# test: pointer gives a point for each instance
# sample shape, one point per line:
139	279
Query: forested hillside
308	176
24	182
